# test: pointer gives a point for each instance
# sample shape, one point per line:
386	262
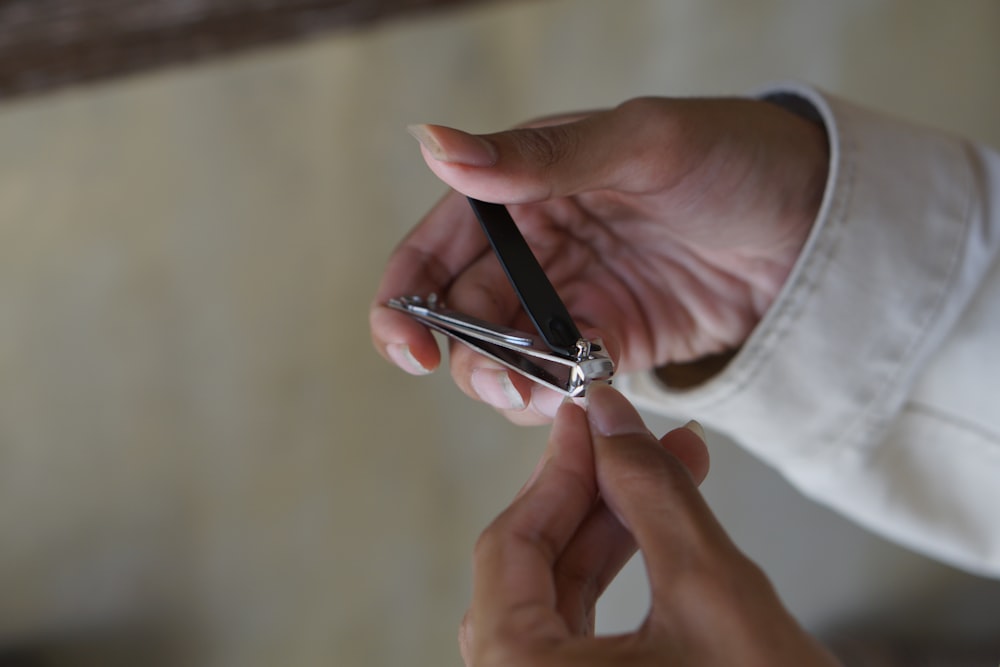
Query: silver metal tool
522	352
558	356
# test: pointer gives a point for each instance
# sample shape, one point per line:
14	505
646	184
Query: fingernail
450	145
610	413
547	402
495	388
695	428
401	355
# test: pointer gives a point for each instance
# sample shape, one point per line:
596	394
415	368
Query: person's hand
667	226
605	480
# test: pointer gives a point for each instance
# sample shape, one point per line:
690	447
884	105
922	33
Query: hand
604	480
667	226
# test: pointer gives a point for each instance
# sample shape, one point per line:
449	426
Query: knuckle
656	128
547	146
492	654
641	462
487	542
640	110
466	635
513	651
727	581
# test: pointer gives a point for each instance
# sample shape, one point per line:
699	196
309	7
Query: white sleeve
873	382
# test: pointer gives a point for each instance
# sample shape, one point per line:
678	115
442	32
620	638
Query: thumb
650	489
529	164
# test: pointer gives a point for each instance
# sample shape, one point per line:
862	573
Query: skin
604	486
667	227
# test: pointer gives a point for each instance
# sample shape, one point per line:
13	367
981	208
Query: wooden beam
45	44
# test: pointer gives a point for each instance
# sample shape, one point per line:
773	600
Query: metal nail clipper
558	356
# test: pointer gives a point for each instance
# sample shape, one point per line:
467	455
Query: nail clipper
558	357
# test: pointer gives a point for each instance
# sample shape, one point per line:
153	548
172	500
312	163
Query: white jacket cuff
907	230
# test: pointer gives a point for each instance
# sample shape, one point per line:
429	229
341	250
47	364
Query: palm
643	284
666	226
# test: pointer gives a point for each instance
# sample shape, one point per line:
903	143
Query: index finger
514	591
427	261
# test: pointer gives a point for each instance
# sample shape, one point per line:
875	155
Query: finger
427	261
537	413
483	291
603	546
467	626
513	587
465	630
403	341
520	399
528	164
701	585
651	490
504	389
599	550
688	445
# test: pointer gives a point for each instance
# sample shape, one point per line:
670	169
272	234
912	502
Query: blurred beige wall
198	446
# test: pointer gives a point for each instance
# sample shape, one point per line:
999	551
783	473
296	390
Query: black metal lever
532	286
